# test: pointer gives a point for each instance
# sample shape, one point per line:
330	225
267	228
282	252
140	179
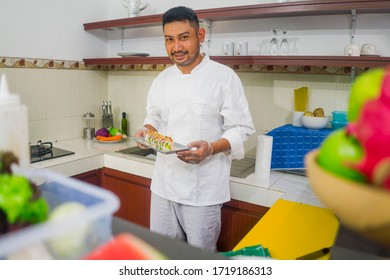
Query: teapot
134	7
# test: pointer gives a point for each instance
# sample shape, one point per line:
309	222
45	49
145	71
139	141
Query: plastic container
339	119
13	125
337	125
339	116
291	144
57	189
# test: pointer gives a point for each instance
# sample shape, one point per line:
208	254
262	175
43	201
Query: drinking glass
284	45
274	44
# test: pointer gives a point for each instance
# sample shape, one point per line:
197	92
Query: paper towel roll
263	155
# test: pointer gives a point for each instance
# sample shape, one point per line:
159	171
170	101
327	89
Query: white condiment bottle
13	125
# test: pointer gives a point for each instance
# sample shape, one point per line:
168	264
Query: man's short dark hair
181	13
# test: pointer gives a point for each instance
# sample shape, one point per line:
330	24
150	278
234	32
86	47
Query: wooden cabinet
238	218
133	192
92	177
288	9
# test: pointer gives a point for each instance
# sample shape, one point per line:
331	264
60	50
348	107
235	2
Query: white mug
352	50
228	48
297	118
368	49
241	48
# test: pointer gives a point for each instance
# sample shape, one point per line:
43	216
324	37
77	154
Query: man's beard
187	62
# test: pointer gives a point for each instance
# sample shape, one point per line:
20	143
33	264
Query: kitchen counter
90	155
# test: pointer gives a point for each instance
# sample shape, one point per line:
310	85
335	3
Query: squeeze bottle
13	125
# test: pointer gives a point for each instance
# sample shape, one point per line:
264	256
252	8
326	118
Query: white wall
54	29
51	28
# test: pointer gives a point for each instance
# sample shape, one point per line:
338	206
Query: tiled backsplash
57	99
270	96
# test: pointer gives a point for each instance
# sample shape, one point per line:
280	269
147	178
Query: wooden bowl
361	207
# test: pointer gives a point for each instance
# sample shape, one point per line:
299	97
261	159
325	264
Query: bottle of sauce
124	123
13	125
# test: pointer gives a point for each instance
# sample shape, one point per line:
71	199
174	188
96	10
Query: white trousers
198	225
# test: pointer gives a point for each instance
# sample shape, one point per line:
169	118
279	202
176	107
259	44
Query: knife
103	108
315	254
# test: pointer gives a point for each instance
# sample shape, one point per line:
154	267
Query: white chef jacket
207	104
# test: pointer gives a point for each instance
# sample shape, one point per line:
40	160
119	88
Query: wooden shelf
289	9
336	61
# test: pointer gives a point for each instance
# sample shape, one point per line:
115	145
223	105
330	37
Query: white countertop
90	155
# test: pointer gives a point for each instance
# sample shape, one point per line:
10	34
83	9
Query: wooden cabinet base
238	218
133	192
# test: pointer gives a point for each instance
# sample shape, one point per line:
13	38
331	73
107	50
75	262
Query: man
202	104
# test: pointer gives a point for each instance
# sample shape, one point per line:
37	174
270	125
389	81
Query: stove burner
45	150
42	148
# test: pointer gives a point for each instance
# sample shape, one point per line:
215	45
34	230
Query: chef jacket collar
198	67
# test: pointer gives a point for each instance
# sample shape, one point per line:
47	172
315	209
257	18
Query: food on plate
21	203
125	246
71	243
308	114
109	138
318	112
102	132
366	137
160	141
116	131
110	134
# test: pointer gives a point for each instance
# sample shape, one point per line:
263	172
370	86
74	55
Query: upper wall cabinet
289	9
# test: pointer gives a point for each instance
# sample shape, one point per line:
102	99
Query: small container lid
124	115
5	97
88	115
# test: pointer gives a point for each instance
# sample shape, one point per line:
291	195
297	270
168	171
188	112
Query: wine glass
284	44
274	44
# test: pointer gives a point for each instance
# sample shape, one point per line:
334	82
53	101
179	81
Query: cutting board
290	230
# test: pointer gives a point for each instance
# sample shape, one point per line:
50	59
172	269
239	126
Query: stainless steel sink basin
138	152
240	168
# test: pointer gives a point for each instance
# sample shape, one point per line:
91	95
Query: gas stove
45	150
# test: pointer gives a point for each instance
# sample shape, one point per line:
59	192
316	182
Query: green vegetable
115	131
15	192
16	200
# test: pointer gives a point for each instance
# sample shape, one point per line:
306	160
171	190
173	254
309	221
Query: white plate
109	142
176	146
129	54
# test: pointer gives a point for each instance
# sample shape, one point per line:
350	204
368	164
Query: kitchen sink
240	168
138	152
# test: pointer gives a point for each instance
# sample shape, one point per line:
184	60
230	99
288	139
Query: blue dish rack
292	143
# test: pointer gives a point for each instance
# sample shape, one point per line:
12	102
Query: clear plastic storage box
90	228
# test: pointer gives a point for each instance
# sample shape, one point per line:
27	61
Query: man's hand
140	133
199	150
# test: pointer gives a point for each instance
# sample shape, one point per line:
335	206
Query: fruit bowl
361	207
314	122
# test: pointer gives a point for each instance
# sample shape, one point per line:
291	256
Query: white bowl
314	122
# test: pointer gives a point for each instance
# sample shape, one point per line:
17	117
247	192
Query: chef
200	103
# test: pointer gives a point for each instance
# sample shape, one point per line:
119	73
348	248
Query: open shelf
289	9
340	61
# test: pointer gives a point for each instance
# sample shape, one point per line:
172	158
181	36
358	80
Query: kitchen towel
263	155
